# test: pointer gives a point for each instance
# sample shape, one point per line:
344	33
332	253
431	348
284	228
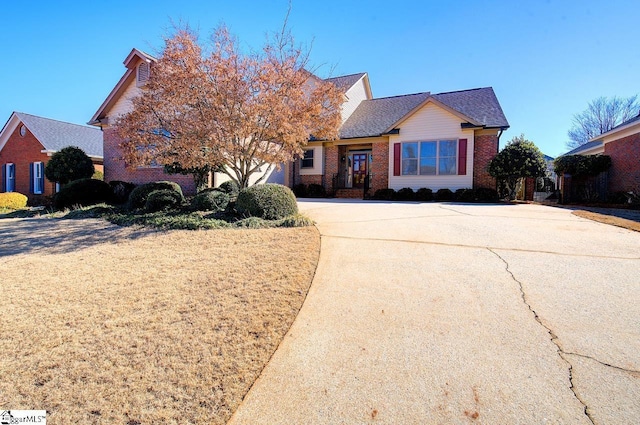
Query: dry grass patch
609	219
166	327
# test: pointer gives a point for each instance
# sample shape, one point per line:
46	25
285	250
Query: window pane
427	149
308	154
428	166
409	150
409	167
447	148
447	165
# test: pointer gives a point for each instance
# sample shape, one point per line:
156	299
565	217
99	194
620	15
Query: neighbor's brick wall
624	174
116	169
379	166
485	147
22	151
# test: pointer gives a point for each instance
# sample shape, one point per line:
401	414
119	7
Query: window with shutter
37	178
9	177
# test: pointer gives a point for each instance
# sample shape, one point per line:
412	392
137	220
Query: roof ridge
463	90
398	95
53	119
347	75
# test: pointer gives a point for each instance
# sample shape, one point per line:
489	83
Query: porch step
350	193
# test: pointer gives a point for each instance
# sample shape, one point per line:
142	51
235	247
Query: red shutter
396	159
462	157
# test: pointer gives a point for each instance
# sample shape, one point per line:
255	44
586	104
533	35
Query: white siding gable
356	94
432	122
124	104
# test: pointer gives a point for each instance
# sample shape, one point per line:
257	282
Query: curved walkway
453	313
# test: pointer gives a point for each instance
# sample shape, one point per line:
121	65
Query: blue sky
545	59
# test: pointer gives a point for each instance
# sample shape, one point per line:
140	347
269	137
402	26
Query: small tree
213	105
69	164
520	158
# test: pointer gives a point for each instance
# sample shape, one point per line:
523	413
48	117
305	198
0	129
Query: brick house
28	141
622	144
442	140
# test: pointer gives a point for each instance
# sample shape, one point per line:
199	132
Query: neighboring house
443	140
26	144
589	148
622	144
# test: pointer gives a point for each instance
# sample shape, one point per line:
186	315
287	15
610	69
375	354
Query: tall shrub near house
69	164
228	110
520	158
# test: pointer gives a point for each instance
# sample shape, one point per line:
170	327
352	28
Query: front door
359	169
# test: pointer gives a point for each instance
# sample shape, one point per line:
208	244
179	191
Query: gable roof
375	117
479	104
55	135
130	63
345	82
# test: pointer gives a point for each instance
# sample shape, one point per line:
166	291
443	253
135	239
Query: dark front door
359	169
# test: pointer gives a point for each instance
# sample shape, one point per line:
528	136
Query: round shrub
121	191
269	201
405	194
384	194
230	187
163	199
83	192
424	194
210	200
444	195
139	195
316	191
13	200
300	190
69	164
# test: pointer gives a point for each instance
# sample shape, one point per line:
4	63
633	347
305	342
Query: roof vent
142	73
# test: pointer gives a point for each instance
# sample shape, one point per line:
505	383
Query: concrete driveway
454	313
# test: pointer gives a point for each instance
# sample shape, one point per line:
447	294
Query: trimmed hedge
121	191
444	195
316	191
230	187
300	190
139	195
424	194
269	201
83	192
384	194
405	194
582	165
162	200
13	200
210	200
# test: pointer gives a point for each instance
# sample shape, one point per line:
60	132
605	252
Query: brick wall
624	174
22	151
484	149
116	169
379	167
331	166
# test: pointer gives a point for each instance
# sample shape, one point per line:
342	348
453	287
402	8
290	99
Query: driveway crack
553	336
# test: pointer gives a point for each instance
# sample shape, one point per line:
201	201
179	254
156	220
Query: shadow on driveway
22	236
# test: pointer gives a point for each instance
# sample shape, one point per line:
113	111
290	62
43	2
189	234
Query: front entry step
355	193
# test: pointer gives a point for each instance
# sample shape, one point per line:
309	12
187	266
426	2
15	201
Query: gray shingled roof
629	121
373	117
345	82
586	146
479	104
55	135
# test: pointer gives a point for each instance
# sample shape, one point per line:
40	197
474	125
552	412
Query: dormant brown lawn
101	324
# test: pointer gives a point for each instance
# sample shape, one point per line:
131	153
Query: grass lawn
104	324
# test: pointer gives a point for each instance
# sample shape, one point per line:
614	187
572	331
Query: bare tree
212	105
601	115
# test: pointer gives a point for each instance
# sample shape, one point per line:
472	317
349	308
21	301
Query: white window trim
437	141
37	179
8	177
318	162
